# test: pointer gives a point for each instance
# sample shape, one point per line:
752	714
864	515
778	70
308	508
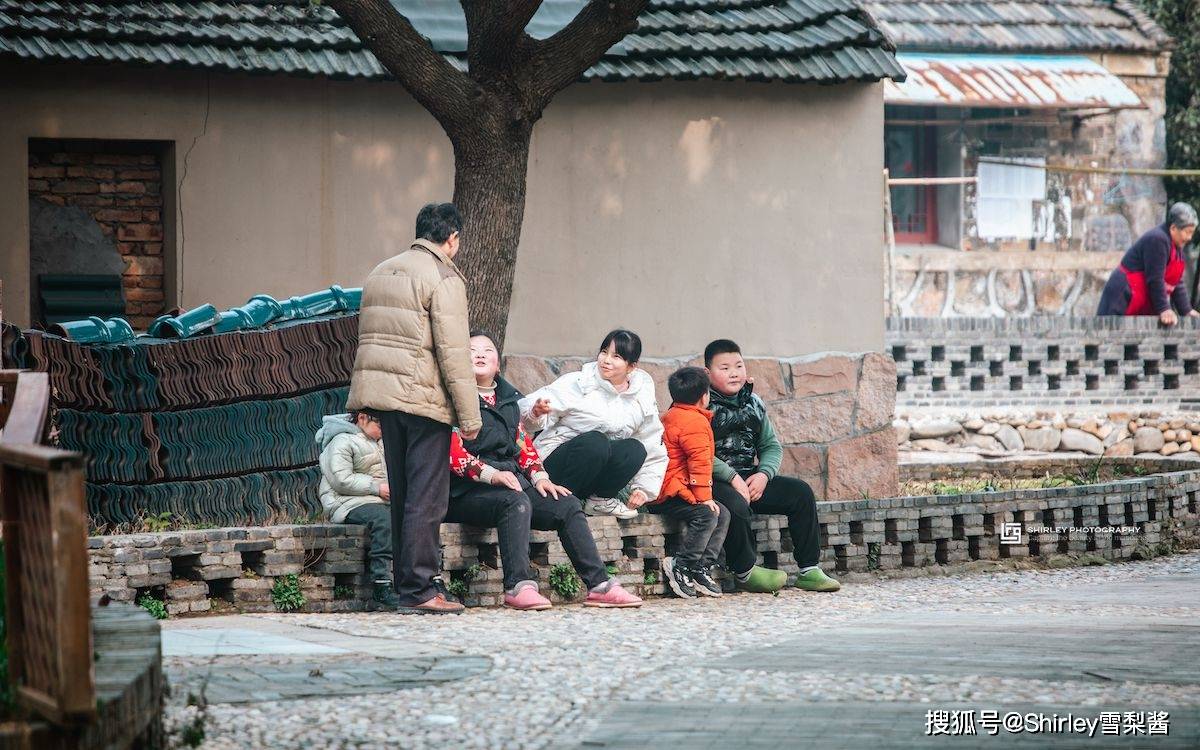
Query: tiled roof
1019	25
824	41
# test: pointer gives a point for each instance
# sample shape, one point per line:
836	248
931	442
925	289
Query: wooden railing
45	550
54	638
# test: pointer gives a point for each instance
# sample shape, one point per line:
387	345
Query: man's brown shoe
436	605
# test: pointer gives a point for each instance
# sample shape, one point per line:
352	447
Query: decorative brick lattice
1057	362
239	565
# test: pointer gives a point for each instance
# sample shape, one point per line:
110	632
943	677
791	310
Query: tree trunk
489	189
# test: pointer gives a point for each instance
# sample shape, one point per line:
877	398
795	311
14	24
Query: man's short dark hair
437	221
486	335
688	385
720	346
627	343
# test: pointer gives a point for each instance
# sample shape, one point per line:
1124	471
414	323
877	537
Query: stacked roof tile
216	428
1018	25
824	41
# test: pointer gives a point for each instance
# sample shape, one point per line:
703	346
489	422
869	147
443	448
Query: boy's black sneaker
679	579
704	582
385	595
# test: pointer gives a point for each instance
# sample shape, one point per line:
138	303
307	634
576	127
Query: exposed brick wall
123	194
1064	363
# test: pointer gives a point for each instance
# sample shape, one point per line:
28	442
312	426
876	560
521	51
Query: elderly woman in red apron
1149	280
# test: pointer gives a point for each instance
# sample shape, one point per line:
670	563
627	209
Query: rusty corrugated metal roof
1025	81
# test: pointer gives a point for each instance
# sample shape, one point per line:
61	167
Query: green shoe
816	580
763	581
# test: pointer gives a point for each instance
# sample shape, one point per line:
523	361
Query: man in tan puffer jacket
413	372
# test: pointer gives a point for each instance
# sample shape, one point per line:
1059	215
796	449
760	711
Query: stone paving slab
662	678
249	659
1050	646
1156	593
1130	632
235	641
1060	649
829	726
313	678
284	632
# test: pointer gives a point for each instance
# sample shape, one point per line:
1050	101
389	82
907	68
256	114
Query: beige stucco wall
683	211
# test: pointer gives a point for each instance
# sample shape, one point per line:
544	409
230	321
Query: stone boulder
1148	440
1010	438
930	444
902	431
985	444
1083	442
934	428
1121	449
1044	439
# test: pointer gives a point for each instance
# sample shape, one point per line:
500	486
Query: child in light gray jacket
354	490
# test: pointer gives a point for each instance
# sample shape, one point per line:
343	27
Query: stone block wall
122	194
832	412
1062	363
190	570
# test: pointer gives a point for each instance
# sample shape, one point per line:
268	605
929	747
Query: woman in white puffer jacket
601	431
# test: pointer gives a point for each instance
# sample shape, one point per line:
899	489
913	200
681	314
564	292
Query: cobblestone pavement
862	666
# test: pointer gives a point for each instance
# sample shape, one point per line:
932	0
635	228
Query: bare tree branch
559	61
496	33
411	59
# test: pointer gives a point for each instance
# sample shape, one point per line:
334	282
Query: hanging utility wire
1135	171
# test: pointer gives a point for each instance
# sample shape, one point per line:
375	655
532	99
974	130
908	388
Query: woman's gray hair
1181	215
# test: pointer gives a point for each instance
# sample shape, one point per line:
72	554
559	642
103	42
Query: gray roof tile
825	41
1018	25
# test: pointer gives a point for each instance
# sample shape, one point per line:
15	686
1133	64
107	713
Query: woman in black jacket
1149	280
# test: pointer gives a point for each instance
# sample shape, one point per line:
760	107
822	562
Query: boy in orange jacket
686	494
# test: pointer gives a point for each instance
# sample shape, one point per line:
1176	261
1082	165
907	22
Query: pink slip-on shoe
615	597
526	598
